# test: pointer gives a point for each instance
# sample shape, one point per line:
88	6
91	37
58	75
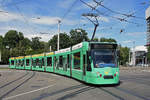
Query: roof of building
147	13
139	48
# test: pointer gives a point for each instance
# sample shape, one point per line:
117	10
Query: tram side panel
27	63
38	63
77	64
12	63
49	62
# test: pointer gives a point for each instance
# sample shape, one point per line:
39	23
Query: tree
11	38
107	40
95	40
35	44
124	55
148	54
78	35
1	42
63	43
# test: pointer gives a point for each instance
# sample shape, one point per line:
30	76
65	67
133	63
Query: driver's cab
103	54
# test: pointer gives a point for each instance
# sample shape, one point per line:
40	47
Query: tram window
55	61
49	61
43	64
77	61
33	62
27	62
22	63
12	62
84	64
60	61
16	62
88	64
19	62
37	62
68	60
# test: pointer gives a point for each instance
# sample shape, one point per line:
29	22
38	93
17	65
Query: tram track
112	94
131	93
14	80
135	80
124	91
17	86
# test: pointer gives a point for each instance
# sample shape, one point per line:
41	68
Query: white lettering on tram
77	46
62	50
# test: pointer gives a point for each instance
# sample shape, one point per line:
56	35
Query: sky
33	17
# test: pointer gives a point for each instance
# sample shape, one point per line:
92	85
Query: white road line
27	92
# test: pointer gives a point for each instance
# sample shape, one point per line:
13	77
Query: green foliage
1	41
108	40
65	41
11	39
124	55
21	46
148	55
78	35
36	43
95	40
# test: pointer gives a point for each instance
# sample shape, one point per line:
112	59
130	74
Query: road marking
27	92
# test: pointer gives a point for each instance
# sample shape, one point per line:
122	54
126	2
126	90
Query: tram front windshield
104	58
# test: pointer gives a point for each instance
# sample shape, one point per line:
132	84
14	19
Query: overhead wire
69	9
100	13
116	12
25	20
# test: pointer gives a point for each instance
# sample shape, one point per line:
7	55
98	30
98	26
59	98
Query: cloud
44	37
65	3
127	41
46	20
136	34
8	16
102	18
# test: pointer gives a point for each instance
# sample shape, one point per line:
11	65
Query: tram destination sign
103	46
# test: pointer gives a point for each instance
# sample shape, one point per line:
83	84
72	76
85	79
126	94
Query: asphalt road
31	85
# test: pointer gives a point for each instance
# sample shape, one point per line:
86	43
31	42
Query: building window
77	61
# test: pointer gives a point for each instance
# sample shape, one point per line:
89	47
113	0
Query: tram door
54	63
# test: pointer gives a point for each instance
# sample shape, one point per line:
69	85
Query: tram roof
102	43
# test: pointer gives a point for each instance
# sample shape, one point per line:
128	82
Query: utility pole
129	57
134	53
58	34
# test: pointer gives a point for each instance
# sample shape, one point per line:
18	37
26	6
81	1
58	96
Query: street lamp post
133	53
58	34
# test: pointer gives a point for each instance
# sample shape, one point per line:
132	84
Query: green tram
91	62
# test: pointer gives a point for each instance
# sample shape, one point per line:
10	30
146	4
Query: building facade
148	25
138	56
